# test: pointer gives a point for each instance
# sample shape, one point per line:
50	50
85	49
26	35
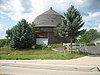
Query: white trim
45	25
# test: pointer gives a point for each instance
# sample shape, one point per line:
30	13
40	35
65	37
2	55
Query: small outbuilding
45	24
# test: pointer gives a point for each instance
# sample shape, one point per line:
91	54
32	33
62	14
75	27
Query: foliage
22	35
33	28
69	27
89	36
9	33
90	44
61	29
2	43
48	47
42	47
38	46
7	41
33	32
56	45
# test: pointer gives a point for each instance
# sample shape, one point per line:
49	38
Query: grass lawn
29	54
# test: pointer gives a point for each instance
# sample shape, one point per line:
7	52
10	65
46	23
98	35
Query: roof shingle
49	18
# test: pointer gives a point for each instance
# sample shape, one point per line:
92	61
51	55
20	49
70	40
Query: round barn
45	24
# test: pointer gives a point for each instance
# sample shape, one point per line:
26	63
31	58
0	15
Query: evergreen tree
70	25
22	35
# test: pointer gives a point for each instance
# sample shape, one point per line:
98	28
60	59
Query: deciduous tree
89	36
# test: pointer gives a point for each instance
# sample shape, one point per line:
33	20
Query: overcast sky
12	11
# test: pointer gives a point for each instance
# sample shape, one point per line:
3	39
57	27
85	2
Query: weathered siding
45	29
52	38
55	39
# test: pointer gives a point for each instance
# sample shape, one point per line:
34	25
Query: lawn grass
40	56
29	54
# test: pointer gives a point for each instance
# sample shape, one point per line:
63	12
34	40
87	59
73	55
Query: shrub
2	43
56	45
43	47
90	44
38	47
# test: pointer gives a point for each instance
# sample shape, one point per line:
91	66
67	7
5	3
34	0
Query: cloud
5	6
92	20
3	28
13	9
26	5
4	1
18	9
88	28
92	16
29	9
93	3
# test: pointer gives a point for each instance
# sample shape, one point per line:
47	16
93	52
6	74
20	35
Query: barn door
42	38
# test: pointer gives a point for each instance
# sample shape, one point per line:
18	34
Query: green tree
89	36
61	30
70	25
33	28
9	33
2	42
34	32
22	35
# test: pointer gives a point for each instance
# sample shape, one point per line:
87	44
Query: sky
12	11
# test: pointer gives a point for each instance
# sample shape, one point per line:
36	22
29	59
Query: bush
7	41
38	47
43	47
90	44
48	47
56	45
2	43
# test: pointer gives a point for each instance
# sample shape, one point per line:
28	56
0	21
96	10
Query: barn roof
49	18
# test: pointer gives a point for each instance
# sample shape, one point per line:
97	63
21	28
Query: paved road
20	68
91	49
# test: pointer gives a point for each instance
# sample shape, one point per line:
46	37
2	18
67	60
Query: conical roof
49	18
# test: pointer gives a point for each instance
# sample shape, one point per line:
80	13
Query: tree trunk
64	51
71	41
